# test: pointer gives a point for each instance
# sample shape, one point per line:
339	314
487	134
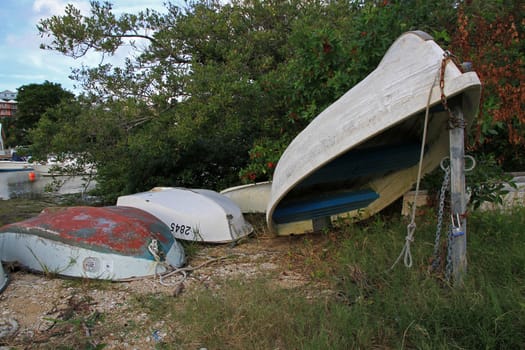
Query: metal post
458	199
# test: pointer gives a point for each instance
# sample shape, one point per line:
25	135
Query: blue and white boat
362	152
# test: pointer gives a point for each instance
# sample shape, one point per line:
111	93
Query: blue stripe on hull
15	170
323	205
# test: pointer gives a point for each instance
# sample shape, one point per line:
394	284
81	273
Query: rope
411	228
184	270
153	248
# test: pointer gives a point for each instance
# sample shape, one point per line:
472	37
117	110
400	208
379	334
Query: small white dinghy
192	214
251	198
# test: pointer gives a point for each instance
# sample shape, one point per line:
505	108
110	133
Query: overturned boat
250	198
192	214
14	166
362	152
110	243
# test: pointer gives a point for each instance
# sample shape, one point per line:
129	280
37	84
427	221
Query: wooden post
458	200
321	224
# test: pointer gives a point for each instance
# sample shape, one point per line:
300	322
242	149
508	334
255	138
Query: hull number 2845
180	229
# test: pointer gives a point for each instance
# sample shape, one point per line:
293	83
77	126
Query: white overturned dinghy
362	152
192	214
251	198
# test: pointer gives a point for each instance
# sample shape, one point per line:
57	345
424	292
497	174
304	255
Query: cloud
28	77
48	6
57	7
20	54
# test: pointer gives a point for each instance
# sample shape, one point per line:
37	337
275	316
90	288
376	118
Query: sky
22	62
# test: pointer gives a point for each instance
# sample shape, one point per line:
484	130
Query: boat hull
251	198
381	117
4	279
100	243
11	165
192	214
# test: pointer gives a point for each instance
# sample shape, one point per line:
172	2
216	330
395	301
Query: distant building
7	104
8	95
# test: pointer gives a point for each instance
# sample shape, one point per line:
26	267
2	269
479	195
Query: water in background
14	183
22	184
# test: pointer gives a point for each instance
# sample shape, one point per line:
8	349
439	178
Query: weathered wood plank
458	201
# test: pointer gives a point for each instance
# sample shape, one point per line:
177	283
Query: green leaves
210	86
33	101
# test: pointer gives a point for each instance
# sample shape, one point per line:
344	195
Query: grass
18	209
352	300
371	307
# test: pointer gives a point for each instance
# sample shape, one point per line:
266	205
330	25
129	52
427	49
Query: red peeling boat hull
113	243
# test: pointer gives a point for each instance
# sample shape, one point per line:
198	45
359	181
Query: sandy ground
34	307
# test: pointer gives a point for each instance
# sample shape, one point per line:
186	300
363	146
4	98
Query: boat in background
362	153
7	166
15	172
9	161
109	243
64	174
192	214
64	165
250	198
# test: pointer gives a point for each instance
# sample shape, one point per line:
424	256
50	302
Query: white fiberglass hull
343	150
251	198
11	165
192	214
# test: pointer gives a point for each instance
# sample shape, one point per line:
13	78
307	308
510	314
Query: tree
33	101
492	37
197	83
217	90
334	46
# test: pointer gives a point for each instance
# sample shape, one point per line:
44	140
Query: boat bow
349	147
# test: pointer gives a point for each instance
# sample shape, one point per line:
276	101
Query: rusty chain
453	122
